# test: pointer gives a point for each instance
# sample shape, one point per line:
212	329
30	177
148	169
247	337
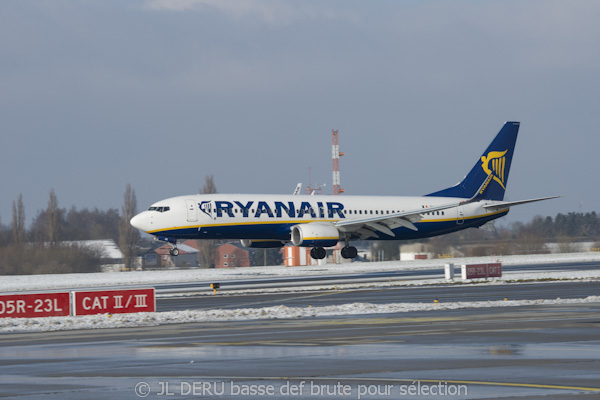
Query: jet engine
315	235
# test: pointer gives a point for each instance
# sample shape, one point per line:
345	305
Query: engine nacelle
262	244
315	235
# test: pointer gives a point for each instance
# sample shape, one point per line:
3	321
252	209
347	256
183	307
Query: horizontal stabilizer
507	204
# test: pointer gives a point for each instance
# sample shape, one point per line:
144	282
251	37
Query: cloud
274	12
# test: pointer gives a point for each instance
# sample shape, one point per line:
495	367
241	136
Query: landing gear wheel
174	252
321	252
349	252
313	253
318	253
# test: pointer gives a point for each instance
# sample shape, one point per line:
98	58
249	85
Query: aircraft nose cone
140	222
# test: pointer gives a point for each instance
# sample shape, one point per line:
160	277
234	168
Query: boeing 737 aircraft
264	221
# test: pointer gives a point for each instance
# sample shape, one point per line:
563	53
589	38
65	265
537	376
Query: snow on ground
278	312
70	281
111	279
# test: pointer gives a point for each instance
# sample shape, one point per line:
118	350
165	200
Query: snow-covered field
70	281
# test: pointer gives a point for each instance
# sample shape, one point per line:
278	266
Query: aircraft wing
507	204
368	227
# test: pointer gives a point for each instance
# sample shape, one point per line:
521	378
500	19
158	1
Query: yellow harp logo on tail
498	162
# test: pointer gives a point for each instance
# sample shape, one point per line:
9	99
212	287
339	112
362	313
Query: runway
261	282
530	352
401	294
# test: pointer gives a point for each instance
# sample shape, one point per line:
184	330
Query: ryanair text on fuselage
328	209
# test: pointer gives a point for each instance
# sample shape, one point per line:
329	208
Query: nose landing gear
174	250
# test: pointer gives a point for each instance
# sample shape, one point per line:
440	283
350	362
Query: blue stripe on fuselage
281	231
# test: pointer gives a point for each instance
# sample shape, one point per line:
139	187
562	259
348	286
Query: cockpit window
159	209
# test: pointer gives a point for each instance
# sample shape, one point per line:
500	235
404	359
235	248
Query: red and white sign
114	301
495	270
35	305
475	271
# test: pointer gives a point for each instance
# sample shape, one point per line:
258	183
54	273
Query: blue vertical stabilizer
494	161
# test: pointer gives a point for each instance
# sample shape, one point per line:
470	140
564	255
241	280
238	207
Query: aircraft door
460	215
192	210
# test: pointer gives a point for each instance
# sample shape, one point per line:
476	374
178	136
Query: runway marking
411	326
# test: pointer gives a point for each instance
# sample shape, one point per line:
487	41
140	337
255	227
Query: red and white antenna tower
335	153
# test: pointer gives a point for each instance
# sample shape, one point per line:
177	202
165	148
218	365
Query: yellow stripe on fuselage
460	219
316	220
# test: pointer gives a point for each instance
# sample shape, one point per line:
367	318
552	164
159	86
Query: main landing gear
174	251
349	252
318	253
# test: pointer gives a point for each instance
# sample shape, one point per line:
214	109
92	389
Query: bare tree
129	237
566	244
207	248
530	243
53	217
18	223
209	185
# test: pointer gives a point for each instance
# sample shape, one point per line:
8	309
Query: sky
98	94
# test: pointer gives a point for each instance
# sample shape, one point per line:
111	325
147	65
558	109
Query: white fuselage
230	216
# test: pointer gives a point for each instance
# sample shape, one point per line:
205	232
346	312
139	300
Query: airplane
320	221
